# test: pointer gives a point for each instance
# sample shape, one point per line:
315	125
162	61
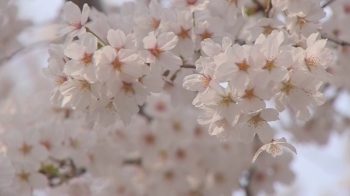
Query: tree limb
92	3
327	3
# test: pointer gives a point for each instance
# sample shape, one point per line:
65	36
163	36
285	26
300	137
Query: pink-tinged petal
303	114
210	47
167	41
90	43
133	68
147	56
126	55
169	61
90	74
37	181
240	80
236	54
74	51
64	31
56	67
108	54
116	38
263	148
74	68
290	147
278	73
311	39
155	8
226	71
149	41
226	43
265	132
68	88
72	12
262	78
269	114
105	73
67	100
85	14
195	82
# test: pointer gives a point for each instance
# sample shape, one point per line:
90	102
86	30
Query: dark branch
339	42
327	4
260	6
92	3
188	66
268	9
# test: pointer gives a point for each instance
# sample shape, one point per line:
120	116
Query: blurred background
320	169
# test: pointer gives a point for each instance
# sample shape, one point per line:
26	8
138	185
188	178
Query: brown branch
339	42
22	50
188	66
327	3
260	6
268	9
92	3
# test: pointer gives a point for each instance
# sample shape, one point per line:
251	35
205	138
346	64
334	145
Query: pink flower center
243	66
117	64
127	88
76	25
155	51
183	33
191	2
206	34
87	58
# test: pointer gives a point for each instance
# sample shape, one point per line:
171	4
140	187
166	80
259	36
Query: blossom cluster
108	72
173	155
141	96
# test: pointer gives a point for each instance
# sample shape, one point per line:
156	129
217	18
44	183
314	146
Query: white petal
167	41
85	14
170	61
72	12
116	38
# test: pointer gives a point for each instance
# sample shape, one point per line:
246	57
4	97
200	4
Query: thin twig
88	30
21	50
268	9
327	4
260	6
341	43
188	66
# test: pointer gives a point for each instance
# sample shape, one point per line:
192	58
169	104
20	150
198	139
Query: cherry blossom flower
118	40
303	17
157	51
271	62
82	61
242	70
79	93
211	28
298	90
192	4
128	95
316	58
28	178
112	63
256	123
275	148
25	146
76	19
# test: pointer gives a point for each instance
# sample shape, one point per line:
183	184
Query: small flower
76	19
275	148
